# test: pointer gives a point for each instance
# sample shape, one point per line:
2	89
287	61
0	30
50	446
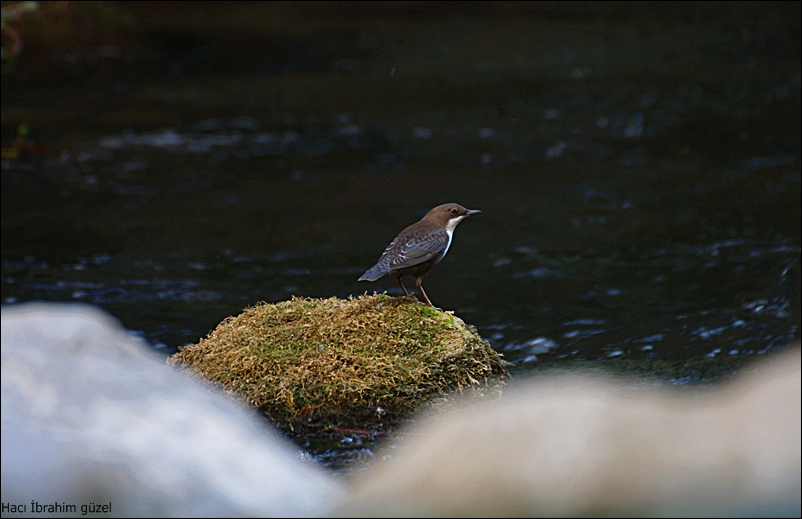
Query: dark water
638	175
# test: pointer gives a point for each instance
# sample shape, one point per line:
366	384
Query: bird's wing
416	252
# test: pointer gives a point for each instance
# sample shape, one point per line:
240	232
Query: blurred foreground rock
91	414
570	446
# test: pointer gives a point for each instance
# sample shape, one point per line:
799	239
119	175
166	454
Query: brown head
448	216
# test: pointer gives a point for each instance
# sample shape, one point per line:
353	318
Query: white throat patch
452	223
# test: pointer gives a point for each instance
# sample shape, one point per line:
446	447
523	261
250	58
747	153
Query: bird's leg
420	287
402	286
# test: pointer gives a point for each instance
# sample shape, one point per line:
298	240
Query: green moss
359	362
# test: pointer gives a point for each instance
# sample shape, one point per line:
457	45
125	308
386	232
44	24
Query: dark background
637	167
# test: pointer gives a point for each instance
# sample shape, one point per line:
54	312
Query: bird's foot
430	305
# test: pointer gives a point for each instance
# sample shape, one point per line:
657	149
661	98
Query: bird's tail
374	273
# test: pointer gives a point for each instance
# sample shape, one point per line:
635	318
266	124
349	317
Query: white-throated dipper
419	247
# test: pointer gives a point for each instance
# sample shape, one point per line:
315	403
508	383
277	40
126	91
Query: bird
419	247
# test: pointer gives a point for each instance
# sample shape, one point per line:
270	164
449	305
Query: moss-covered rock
361	362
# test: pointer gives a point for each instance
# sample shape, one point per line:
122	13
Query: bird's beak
472	211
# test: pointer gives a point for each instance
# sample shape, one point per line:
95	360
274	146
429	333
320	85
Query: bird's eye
453	210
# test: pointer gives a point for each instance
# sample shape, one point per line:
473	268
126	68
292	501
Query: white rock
569	446
91	414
